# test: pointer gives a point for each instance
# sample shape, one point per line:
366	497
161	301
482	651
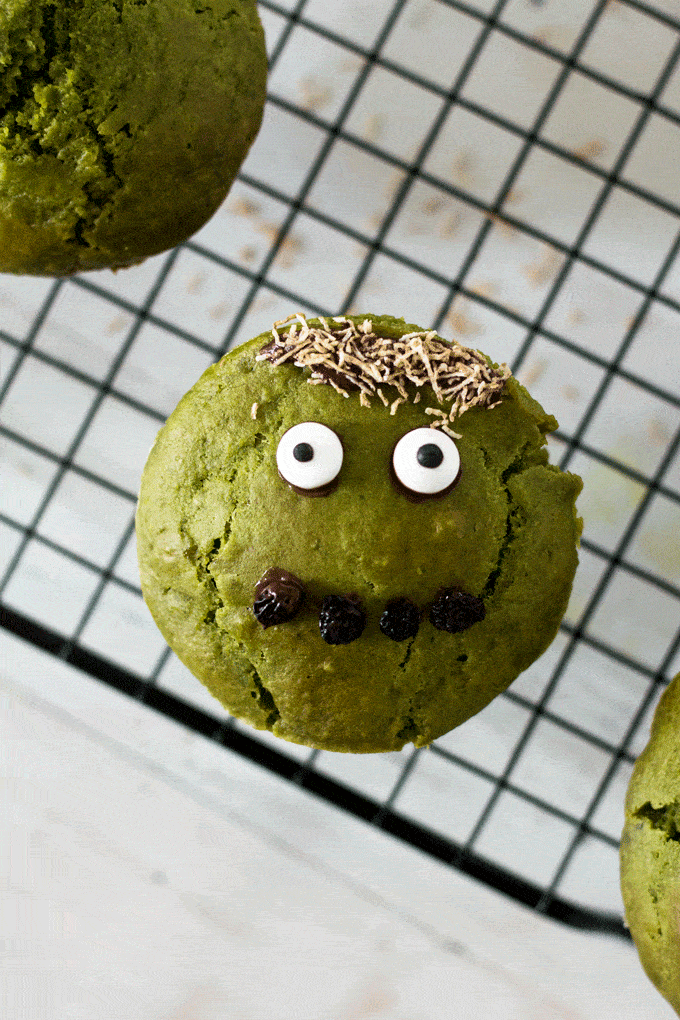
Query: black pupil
429	455
303	451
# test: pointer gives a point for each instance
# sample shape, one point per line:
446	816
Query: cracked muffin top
122	125
349	531
650	850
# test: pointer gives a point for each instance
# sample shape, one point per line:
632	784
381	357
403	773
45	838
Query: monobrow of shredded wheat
343	353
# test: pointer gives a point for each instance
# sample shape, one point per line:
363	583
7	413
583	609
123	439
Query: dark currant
455	610
400	620
342	619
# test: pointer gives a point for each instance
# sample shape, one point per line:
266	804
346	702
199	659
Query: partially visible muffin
348	530
122	125
650	850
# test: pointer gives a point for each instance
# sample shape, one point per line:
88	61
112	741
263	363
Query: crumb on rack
484	288
461	322
530	375
248	253
290	245
219	310
195	283
504	226
316	93
514	195
590	150
342	353
433	205
463	167
244	207
117	324
545	269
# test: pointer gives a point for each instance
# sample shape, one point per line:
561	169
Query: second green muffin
349	531
123	124
650	850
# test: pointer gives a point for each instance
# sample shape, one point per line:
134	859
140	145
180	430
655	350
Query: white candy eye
426	461
309	456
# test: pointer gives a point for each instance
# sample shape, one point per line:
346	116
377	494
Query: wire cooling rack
503	172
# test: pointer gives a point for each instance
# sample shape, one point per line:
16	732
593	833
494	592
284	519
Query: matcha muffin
122	125
650	850
348	530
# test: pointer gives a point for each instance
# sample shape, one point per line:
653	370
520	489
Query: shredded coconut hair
342	353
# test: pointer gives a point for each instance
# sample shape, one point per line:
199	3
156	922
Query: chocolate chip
278	596
342	619
455	610
400	620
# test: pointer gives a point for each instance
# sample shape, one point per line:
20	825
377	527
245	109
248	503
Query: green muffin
650	850
123	124
349	532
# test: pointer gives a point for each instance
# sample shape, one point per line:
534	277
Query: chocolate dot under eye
303	452
429	455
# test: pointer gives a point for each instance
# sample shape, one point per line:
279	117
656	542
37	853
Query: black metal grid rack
425	144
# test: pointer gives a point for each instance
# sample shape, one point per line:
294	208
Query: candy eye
426	462
309	456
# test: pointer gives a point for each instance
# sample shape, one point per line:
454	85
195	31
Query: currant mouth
279	596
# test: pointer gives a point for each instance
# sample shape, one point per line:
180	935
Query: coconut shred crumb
348	355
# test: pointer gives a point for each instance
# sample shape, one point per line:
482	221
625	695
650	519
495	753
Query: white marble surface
151	875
